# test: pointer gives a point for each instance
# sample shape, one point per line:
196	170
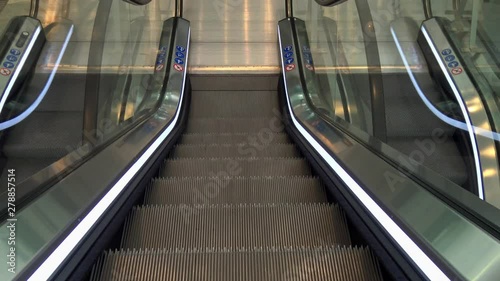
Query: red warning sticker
178	67
457	70
5	71
159	67
310	67
290	67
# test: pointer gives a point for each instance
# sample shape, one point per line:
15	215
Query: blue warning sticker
449	58
180	48
289	60
453	64
179	61
15	52
8	64
163	48
288	54
160	61
288	49
179	55
11	58
446	52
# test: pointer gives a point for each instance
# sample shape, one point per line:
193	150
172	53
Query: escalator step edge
220	167
231	150
314	264
235	226
262	138
235	190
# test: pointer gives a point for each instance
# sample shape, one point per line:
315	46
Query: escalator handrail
461	203
34	6
138	2
329	3
152	132
179	8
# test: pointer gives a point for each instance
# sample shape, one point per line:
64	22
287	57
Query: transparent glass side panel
377	78
381	78
98	60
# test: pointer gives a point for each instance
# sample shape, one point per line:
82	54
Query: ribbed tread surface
235	190
317	264
234	104
235	226
234	150
235	202
217	167
263	139
235	125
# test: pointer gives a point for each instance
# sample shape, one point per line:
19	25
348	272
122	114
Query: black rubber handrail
329	2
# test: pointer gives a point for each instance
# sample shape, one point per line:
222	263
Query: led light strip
465	112
428	267
20	66
50	265
36	103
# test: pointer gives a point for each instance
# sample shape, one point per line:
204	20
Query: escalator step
235	226
222	167
235	190
238	150
261	139
235	104
236	125
314	264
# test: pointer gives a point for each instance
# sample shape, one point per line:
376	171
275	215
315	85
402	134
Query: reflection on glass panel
91	78
419	84
377	71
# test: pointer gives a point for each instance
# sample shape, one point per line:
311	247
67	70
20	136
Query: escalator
226	208
232	155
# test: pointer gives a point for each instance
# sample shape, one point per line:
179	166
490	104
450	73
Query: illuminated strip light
465	112
428	267
50	265
36	103
19	68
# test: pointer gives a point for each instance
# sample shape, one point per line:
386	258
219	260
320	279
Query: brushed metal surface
234	36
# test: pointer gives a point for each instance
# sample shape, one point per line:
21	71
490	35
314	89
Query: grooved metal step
235	190
235	226
235	150
234	104
235	125
312	264
228	138
218	167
